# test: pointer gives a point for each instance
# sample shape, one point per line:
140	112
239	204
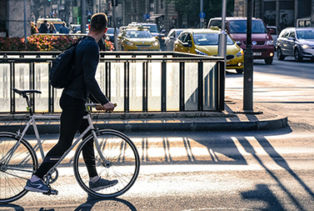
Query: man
43	27
63	29
72	102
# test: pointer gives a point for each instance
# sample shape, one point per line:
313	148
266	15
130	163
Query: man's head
98	23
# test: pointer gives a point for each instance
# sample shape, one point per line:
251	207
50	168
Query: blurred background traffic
190	26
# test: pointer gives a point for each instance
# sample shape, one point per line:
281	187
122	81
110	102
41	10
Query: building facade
280	13
12	18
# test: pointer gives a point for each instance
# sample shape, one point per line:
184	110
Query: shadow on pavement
11	207
279	160
263	193
100	204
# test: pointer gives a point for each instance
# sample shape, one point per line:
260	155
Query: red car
262	41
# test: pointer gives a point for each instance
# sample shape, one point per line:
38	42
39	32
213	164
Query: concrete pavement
231	119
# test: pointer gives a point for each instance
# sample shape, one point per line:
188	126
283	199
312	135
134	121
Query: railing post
108	80
51	93
32	83
163	86
182	86
200	86
220	86
126	86
12	85
145	86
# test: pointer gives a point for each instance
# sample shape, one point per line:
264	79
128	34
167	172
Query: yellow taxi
205	42
137	39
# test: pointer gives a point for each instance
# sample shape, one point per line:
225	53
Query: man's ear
106	29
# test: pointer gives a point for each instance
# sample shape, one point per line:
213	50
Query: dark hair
99	22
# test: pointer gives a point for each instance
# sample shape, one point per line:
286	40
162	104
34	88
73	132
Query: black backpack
62	70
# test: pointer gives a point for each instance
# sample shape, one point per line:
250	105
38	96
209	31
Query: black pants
72	120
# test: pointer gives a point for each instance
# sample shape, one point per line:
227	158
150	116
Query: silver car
171	37
297	42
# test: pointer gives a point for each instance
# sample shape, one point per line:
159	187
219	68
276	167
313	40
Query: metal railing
136	81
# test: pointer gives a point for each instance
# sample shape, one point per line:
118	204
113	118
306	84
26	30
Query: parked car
171	38
205	42
262	42
297	42
56	22
153	29
137	39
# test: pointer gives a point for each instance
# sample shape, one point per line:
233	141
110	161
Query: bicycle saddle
24	92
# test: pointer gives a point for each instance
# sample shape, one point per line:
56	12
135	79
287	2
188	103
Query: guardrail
136	81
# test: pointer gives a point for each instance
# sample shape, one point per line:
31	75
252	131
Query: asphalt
233	118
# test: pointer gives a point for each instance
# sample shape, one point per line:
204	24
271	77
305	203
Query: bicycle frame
32	122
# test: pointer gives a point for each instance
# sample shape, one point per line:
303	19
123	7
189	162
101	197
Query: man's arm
89	63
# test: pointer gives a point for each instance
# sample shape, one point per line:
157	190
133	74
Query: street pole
25	34
83	16
248	63
223	35
114	23
201	12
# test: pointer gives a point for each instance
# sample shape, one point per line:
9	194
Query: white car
171	37
297	42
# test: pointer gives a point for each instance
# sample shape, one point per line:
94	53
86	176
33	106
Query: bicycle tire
13	175
122	163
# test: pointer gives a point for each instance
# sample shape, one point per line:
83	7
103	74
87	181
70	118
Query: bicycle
116	158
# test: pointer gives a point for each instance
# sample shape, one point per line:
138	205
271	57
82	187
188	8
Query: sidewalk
231	119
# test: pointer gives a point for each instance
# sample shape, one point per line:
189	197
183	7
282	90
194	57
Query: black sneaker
102	184
38	186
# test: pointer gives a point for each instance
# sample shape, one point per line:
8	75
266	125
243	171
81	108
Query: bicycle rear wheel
18	161
116	159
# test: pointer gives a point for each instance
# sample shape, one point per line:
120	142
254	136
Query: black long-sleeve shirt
84	84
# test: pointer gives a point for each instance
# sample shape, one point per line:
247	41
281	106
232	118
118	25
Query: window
239	27
209	39
292	34
182	37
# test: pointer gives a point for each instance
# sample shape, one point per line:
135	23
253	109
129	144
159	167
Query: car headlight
305	46
200	52
238	43
155	43
240	53
269	42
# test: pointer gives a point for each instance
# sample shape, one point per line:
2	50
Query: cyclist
72	102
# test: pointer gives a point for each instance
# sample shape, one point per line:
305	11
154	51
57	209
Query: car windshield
58	26
178	33
137	34
152	28
239	27
209	39
305	34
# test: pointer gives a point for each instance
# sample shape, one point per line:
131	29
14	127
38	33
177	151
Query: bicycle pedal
51	192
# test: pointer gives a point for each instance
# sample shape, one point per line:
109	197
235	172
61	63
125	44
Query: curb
270	124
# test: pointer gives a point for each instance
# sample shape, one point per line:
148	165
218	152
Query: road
264	170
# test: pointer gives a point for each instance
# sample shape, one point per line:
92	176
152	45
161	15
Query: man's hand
107	107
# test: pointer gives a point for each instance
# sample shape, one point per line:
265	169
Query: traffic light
49	0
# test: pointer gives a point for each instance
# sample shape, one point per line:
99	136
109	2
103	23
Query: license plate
257	53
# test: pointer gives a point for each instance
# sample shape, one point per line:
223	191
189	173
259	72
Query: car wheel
239	71
297	55
280	56
269	60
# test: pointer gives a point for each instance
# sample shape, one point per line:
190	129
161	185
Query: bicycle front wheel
116	158
18	161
